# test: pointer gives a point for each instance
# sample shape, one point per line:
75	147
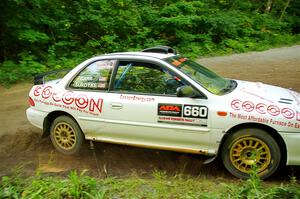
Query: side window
96	76
140	77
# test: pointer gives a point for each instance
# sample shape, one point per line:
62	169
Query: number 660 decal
195	111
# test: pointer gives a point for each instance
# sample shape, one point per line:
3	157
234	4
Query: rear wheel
251	148
66	135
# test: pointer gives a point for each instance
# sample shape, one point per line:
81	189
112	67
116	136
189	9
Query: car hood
267	93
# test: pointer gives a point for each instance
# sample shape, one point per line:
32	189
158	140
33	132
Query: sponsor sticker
182	114
137	98
195	111
68	100
265	110
174	110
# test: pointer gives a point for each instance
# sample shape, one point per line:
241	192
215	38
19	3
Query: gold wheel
64	135
247	152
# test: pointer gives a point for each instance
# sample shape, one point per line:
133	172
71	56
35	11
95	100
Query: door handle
116	105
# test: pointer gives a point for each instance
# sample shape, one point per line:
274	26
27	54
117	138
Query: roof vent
160	49
285	101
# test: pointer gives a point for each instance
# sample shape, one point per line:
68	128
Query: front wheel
249	149
66	135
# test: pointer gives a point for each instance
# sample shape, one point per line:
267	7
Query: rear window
95	76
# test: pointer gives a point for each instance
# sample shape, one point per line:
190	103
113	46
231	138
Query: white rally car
158	99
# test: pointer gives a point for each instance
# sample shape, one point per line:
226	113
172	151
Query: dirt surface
279	67
22	147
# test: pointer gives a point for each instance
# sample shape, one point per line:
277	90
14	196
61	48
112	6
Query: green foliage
159	186
12	72
32	36
254	188
61	33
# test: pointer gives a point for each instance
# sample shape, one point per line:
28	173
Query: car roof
144	54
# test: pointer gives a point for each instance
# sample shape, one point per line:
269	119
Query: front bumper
292	141
36	117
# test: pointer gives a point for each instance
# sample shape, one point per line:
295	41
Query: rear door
86	95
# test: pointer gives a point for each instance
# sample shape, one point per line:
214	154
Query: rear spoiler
48	76
161	49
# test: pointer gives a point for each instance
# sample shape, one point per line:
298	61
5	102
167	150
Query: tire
248	148
66	135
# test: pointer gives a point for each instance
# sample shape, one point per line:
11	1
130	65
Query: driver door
143	109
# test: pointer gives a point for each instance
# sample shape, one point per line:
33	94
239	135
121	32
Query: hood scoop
285	101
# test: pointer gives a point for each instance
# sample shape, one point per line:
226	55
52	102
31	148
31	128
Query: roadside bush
12	72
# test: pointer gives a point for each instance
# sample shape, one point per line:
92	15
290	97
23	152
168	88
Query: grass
80	185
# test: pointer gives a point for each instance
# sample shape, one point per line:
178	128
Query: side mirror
186	91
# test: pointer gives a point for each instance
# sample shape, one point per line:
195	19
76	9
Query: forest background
43	35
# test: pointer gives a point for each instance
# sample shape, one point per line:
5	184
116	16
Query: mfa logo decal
170	110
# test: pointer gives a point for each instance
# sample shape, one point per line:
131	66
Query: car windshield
208	79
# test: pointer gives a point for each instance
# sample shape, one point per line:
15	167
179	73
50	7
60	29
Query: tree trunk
268	6
284	9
